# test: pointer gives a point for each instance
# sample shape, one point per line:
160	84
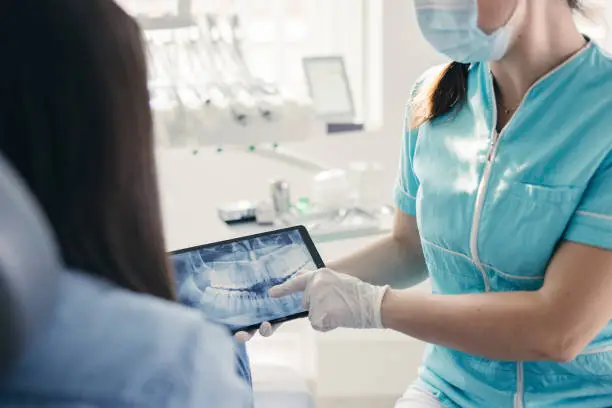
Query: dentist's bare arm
395	260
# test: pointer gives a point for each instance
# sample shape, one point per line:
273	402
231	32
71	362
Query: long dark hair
75	123
449	90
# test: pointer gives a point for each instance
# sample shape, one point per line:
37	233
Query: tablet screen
229	281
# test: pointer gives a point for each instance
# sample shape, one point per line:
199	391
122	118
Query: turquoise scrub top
491	209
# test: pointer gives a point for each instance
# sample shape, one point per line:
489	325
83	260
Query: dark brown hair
75	122
448	92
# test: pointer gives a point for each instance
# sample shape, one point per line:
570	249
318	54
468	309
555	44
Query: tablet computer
229	280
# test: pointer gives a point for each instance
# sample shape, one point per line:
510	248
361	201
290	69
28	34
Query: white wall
195	185
404	56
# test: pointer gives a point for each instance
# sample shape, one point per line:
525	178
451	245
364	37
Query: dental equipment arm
396	260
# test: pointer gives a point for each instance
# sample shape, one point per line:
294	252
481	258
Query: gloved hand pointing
336	300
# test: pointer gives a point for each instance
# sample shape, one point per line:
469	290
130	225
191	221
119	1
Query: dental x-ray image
229	282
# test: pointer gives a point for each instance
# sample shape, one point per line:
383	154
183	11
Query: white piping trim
479	204
517	277
447	250
507	275
401	188
595	215
604	349
520	386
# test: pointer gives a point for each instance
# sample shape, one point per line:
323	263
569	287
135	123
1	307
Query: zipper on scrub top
492	145
482	192
480	196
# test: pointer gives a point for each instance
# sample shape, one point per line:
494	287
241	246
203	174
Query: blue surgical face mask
451	27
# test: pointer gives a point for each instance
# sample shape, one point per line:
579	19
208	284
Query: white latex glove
336	300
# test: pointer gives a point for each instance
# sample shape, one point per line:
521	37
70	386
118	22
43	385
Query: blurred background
271	113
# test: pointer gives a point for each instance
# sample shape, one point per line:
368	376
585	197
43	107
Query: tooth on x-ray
230	282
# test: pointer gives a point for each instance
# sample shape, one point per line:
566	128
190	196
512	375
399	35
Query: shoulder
587	78
602	57
115	344
595	76
587	101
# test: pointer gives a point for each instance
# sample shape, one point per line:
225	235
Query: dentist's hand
335	299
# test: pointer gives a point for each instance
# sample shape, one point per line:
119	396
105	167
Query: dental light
203	92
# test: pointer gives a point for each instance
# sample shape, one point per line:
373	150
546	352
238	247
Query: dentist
505	201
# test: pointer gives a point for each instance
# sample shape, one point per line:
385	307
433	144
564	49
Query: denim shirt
108	347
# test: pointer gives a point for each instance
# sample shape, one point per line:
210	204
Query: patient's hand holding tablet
229	281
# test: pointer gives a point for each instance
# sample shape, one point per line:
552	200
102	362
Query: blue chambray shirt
110	348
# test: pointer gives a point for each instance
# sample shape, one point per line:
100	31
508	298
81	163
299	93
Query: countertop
194	185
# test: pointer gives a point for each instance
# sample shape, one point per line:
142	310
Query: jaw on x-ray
229	282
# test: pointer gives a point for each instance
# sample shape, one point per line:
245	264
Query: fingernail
266	329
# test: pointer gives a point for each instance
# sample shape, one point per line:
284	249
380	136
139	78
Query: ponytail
446	93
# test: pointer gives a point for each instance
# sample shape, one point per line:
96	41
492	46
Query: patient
75	123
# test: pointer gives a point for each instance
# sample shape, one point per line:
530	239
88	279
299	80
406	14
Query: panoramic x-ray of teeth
230	282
